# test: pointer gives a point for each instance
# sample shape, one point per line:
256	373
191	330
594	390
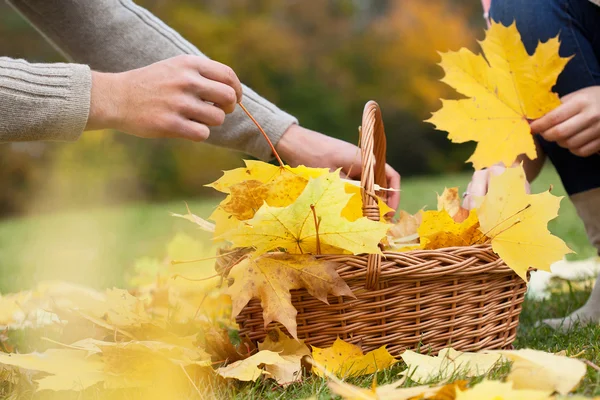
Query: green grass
97	247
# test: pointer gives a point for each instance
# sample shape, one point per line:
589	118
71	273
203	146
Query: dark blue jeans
578	22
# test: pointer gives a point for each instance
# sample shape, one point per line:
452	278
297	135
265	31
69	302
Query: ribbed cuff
43	101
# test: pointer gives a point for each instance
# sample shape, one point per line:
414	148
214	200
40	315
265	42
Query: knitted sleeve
118	35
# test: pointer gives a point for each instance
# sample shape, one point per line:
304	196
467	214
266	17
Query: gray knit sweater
51	101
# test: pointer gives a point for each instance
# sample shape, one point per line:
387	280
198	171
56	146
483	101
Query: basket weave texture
464	297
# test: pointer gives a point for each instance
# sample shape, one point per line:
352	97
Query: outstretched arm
116	36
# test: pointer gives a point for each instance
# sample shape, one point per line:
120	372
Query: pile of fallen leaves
173	335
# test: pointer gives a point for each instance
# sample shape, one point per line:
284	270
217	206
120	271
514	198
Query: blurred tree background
320	60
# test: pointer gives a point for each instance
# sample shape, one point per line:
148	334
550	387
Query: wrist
288	144
104	102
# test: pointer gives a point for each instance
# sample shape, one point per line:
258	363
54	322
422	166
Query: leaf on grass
248	369
439	230
393	391
450	201
293	228
291	350
495	390
504	90
347	360
448	363
67	369
517	223
535	369
271	277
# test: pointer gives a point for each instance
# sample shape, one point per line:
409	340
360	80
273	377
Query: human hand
575	124
301	146
478	187
169	99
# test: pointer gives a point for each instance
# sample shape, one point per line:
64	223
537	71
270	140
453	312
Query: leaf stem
501	222
175	262
263	133
317	223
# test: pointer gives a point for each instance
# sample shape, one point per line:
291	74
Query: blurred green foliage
320	60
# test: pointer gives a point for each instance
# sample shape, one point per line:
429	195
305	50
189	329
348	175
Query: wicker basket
464	297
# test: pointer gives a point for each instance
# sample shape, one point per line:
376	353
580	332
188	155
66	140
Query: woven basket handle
373	149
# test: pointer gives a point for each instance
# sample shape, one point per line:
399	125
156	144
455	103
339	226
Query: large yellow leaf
224	222
517	223
258	183
504	90
423	368
272	276
248	369
291	350
262	172
538	370
495	390
347	360
67	369
439	230
293	228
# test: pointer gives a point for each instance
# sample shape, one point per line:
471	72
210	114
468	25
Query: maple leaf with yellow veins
347	360
294	228
495	390
538	370
450	201
504	90
439	230
291	350
248	369
517	223
272	276
422	368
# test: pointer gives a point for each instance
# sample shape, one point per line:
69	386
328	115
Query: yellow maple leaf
294	227
450	201
423	368
347	360
272	276
248	196
517	223
495	390
353	210
262	172
248	369
291	350
439	230
258	183
538	370
224	222
504	90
